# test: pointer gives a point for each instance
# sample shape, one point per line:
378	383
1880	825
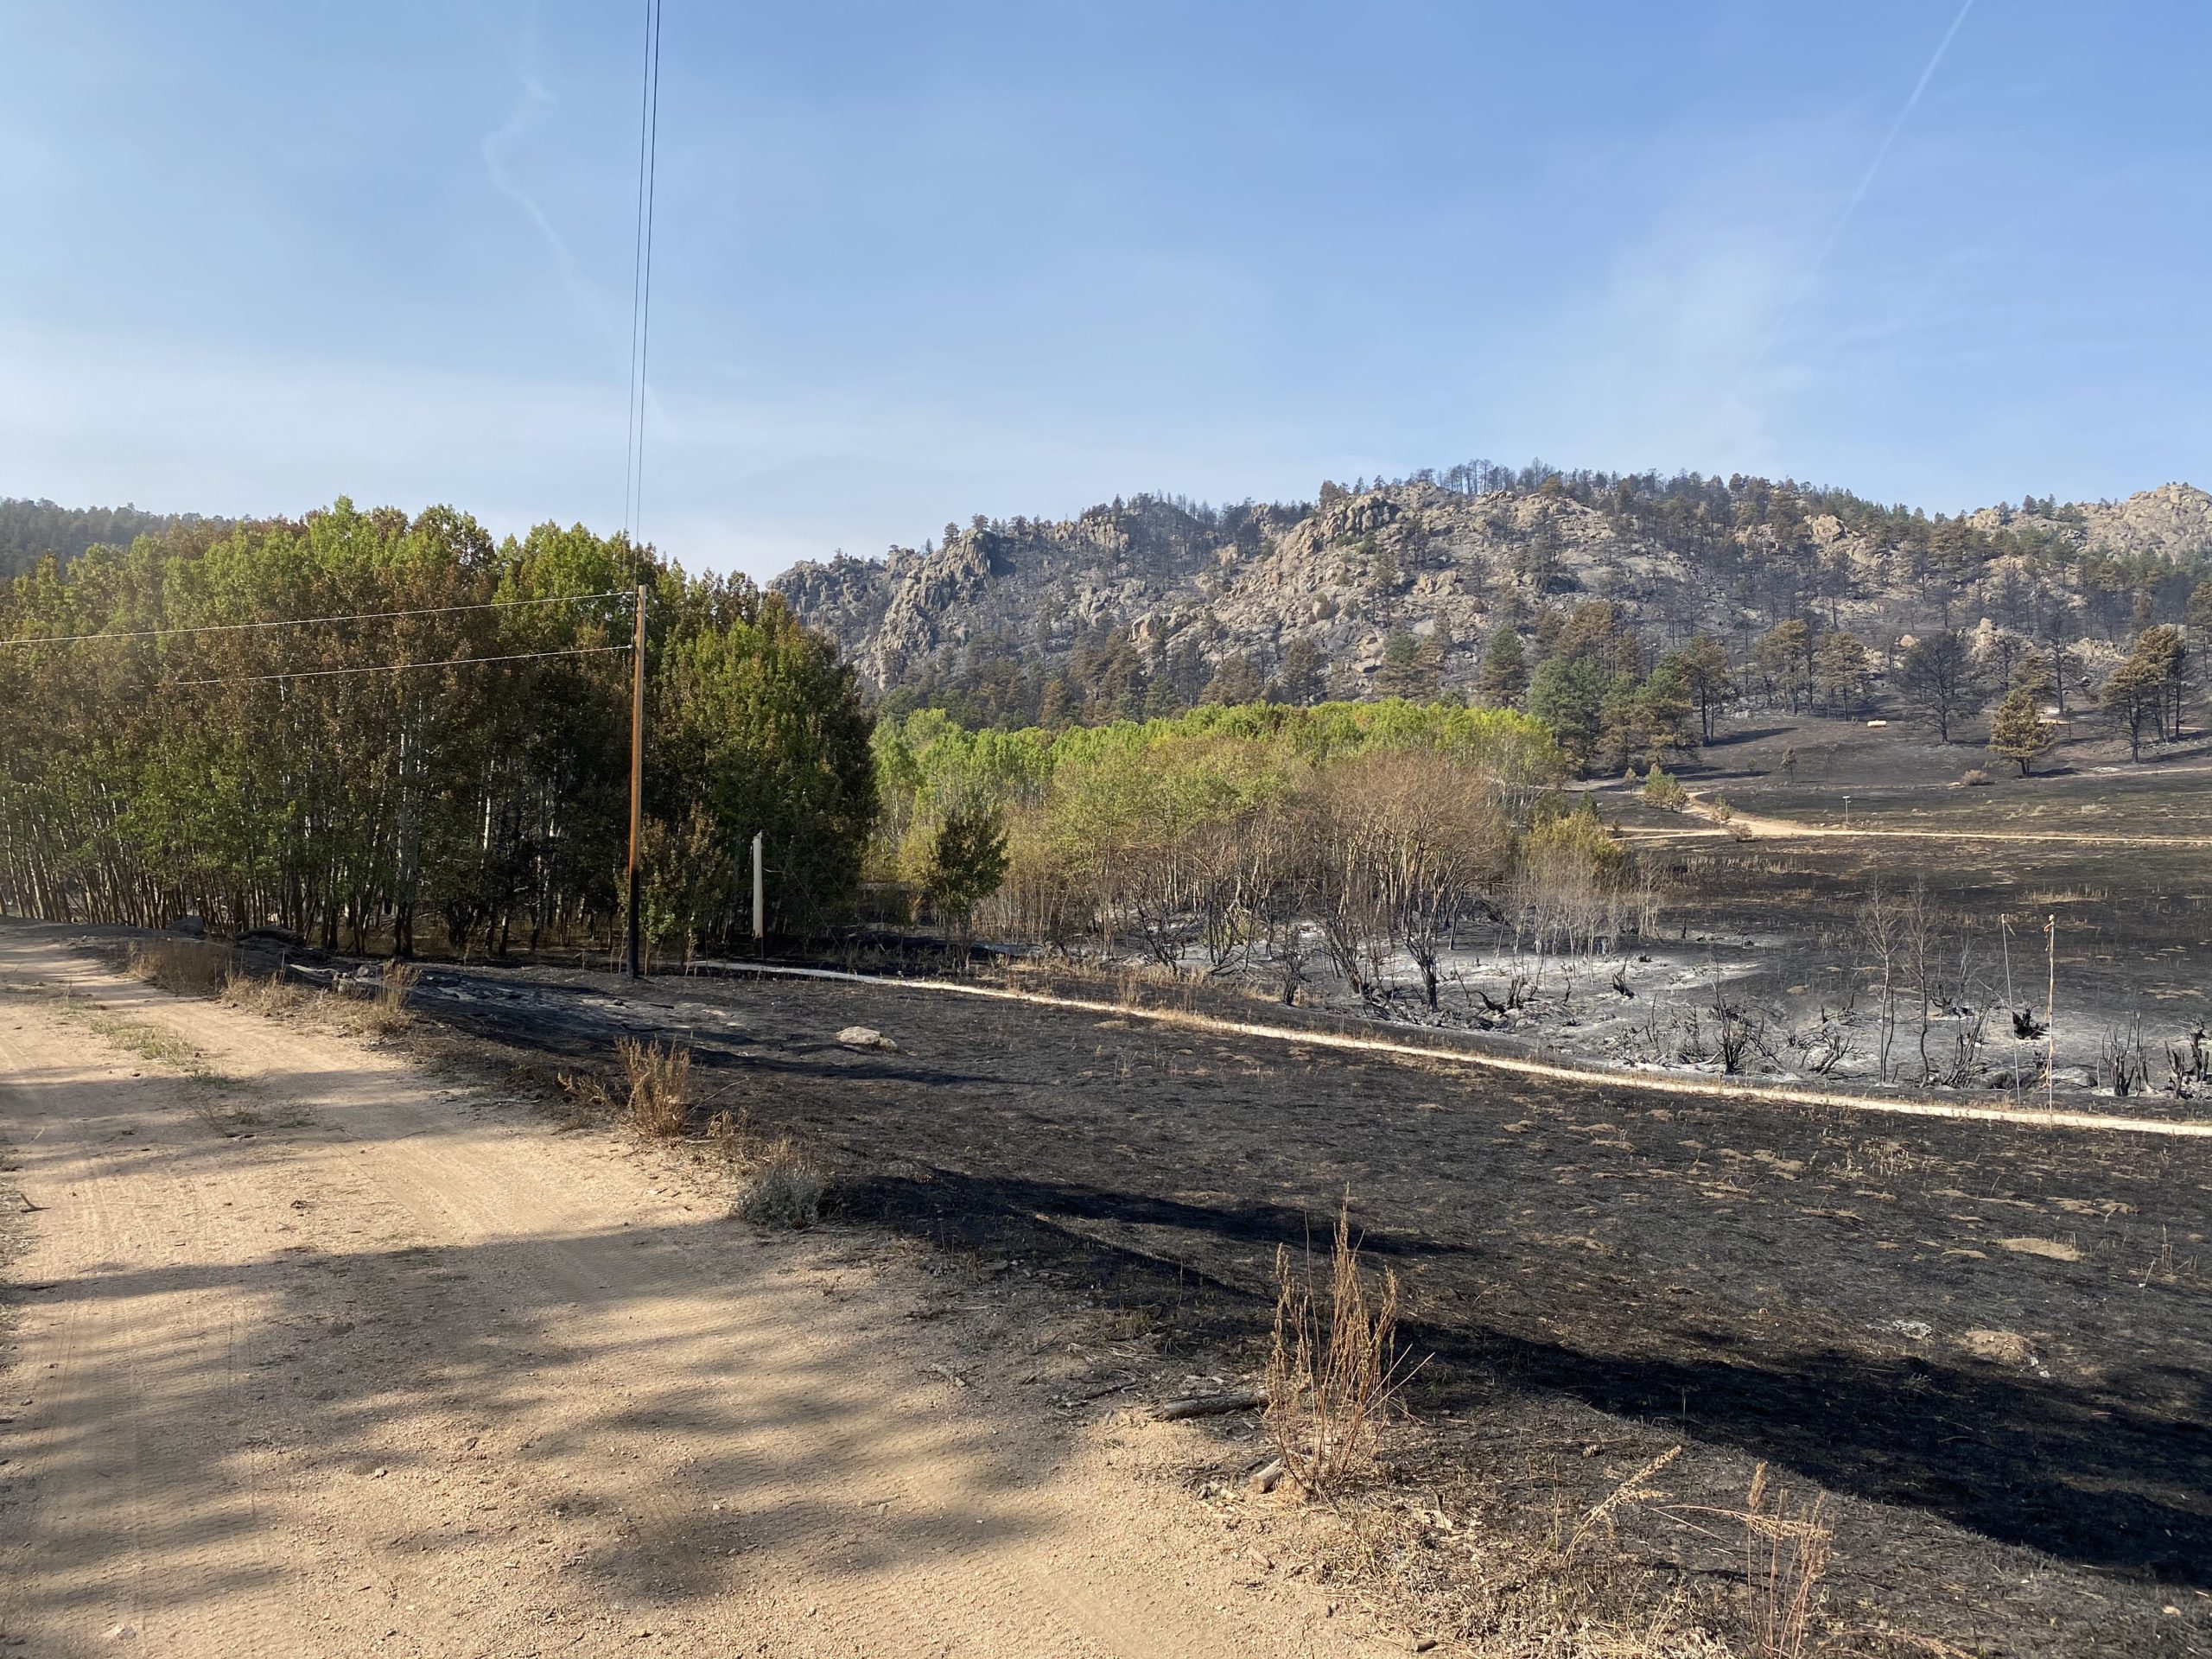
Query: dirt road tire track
335	1359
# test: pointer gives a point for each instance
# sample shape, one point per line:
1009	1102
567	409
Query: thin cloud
527	113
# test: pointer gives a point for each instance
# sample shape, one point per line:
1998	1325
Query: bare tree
1918	920
1882	931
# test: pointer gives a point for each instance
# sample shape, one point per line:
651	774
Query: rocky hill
1185	589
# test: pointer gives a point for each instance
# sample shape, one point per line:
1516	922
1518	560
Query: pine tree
2018	730
1235	680
1411	668
1937	676
2133	695
1504	674
1303	677
1703	666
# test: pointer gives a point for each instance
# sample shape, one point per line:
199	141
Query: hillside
31	530
1153	593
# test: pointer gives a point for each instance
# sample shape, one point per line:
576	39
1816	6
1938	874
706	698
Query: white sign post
760	910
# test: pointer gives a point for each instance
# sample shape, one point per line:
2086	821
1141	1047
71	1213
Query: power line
305	622
395	668
641	276
637	281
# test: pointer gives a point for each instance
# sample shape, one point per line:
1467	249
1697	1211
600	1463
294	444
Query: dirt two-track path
328	1356
1798	829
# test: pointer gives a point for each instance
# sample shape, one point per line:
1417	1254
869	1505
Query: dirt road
319	1354
1759	828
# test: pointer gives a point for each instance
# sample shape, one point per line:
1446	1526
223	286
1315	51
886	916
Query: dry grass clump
774	1186
385	1010
188	967
275	996
400	979
1786	1548
659	1083
773	1183
657	1098
730	1135
1785	1554
784	1189
1335	1378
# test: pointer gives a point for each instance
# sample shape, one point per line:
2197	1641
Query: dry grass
657	1101
774	1185
660	1083
188	967
275	996
385	1011
400	979
1785	1554
1786	1549
156	1045
730	1135
1636	1489
1451	1550
784	1189
1332	1380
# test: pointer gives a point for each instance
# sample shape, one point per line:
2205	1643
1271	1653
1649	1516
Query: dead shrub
1332	1382
784	1189
660	1082
188	967
2126	1062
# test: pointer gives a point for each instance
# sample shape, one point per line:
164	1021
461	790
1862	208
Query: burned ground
2116	856
1991	1342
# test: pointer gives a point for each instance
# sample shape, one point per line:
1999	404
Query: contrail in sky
1866	183
536	100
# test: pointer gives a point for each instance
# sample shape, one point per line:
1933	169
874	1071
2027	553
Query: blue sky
916	262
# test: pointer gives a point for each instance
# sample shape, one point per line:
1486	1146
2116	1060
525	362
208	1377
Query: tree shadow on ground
2015	1458
448	1374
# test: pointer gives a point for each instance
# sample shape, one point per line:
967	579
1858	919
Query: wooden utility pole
636	776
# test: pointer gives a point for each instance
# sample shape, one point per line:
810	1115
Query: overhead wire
634	451
396	668
641	276
305	621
